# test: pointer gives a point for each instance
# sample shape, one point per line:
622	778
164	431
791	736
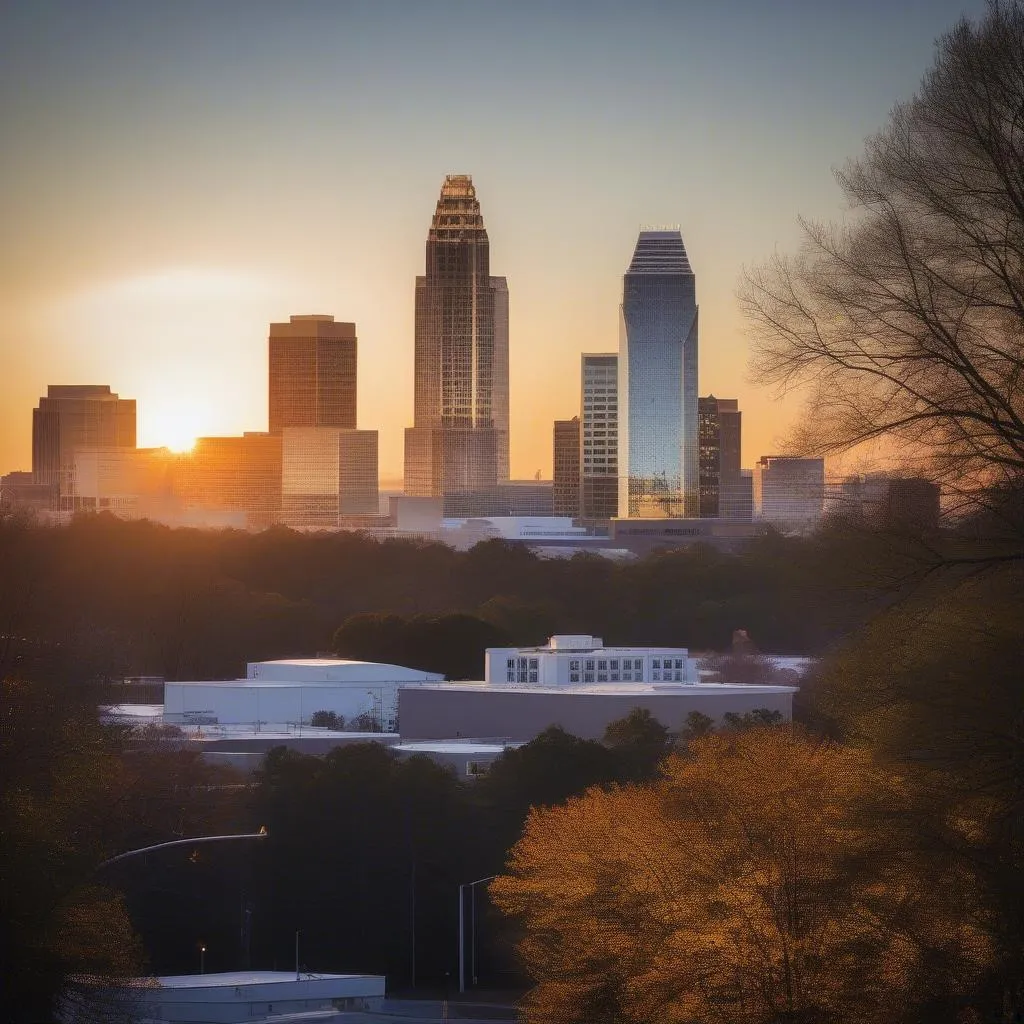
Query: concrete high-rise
566	467
599	435
658	423
458	445
72	418
312	373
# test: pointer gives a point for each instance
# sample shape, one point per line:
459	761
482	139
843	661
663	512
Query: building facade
725	491
312	373
599	435
566	467
572	659
658	418
327	474
68	419
459	442
235	475
789	492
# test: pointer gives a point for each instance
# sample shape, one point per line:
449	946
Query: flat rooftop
617	689
238	978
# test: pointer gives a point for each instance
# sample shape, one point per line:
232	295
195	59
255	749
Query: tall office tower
789	492
566	467
658	435
312	373
327	474
458	444
72	417
240	475
599	433
724	491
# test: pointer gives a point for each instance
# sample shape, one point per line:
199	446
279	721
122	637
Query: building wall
599	435
566	467
426	713
312	373
575	666
789	492
73	417
658	427
459	439
234	474
327	473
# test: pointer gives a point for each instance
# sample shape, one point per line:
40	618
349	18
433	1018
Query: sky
175	175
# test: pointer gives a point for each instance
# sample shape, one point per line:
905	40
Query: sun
168	425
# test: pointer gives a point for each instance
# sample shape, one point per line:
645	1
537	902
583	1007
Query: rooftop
619	689
237	978
660	252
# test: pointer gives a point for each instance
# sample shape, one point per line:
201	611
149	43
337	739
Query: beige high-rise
312	373
458	445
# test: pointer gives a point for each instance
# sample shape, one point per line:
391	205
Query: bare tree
906	322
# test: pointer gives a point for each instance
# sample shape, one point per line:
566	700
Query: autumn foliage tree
767	877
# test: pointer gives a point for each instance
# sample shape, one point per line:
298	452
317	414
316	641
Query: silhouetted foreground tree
908	324
933	686
768	877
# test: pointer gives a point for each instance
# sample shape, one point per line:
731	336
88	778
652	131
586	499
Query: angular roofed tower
658	425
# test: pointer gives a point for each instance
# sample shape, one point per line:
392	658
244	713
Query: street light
202	959
462	930
262	834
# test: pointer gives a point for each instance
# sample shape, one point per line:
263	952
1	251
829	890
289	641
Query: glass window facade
599	433
658	435
459	442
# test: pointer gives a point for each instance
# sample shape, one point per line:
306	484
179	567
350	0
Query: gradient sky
177	174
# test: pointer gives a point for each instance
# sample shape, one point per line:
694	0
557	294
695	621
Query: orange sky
177	176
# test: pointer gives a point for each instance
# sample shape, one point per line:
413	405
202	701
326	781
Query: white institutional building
573	659
290	691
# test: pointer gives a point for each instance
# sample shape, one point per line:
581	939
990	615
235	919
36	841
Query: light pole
262	834
462	930
202	959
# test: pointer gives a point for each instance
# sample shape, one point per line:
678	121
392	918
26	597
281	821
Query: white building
290	691
224	998
574	659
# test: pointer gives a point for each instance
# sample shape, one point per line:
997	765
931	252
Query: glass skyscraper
458	444
658	427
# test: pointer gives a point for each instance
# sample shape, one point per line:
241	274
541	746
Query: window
679	662
613	664
615	677
602	677
602	665
627	676
638	663
574	665
679	677
588	677
656	663
533	677
656	676
590	663
574	677
534	664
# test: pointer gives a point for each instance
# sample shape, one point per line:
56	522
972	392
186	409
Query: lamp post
202	959
262	834
462	930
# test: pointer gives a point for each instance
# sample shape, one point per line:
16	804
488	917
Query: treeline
105	599
364	855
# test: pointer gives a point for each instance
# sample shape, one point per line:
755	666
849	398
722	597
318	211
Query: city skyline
151	238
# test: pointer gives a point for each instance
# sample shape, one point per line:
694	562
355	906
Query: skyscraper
599	435
658	428
458	444
566	467
69	419
312	373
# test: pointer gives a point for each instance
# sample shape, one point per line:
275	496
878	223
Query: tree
907	324
790	894
640	741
